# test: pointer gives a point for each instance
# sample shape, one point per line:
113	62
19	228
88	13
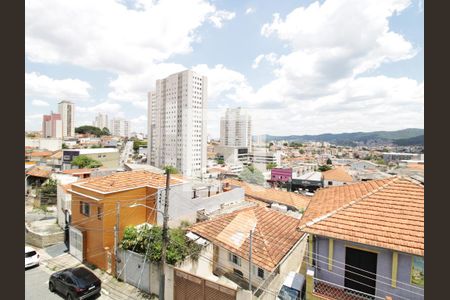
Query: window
260	273
99	213
234	259
84	208
330	182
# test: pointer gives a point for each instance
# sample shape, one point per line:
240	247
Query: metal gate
190	287
76	243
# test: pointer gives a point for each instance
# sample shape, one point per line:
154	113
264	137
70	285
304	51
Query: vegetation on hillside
83	161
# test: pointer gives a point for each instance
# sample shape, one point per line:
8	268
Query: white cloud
220	16
39	103
249	11
42	86
106	35
272	58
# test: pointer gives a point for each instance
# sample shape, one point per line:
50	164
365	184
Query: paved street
36	284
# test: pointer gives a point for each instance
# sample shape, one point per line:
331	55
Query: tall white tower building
67	111
101	121
177	123
119	127
236	128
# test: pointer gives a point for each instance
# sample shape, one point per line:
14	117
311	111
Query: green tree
83	161
329	162
171	169
271	165
285	144
48	188
301	151
64	146
146	240
87	129
324	168
252	175
220	160
105	131
138	143
296	144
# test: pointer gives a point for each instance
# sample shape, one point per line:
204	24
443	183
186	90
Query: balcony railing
335	291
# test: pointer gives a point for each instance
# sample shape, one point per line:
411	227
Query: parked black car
75	283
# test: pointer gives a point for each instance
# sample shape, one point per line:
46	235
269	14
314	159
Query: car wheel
51	287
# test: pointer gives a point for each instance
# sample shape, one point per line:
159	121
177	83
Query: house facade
99	203
276	249
366	240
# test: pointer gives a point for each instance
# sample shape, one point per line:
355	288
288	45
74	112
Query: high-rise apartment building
52	126
236	128
67	111
119	127
177	123
101	121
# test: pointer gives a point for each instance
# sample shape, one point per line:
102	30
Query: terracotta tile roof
275	234
40	153
386	213
57	155
337	174
120	181
271	195
39	171
78	171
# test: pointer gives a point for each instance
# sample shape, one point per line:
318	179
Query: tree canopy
252	175
329	162
271	165
148	241
87	129
171	169
324	168
83	161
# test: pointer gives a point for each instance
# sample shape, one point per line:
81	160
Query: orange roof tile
337	174
271	195
38	171
274	235
120	181
40	153
79	171
387	213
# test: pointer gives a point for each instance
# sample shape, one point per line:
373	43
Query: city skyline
287	63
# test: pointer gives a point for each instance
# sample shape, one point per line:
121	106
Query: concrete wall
334	183
42	240
44	144
384	268
183	207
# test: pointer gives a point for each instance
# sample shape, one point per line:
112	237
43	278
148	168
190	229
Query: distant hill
417	140
409	136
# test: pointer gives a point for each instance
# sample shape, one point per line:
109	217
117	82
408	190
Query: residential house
94	207
366	241
277	248
99	202
336	177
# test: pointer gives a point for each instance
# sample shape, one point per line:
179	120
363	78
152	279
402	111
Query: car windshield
30	254
287	293
84	277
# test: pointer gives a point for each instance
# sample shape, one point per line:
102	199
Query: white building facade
119	127
67	111
177	133
236	128
101	121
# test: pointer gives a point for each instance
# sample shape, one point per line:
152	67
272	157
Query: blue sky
314	67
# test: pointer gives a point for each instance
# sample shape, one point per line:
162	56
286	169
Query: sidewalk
112	289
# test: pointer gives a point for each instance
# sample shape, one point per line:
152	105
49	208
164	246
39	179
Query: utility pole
116	236
250	264
162	278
